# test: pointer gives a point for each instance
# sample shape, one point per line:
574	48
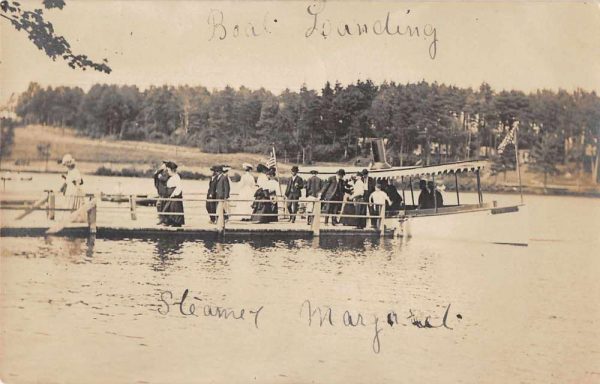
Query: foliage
544	155
7	136
423	122
42	35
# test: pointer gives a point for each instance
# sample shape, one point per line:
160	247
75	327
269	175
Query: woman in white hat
72	188
246	192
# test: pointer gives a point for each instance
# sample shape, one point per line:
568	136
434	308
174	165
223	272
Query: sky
510	45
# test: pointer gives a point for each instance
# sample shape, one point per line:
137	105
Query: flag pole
517	159
278	183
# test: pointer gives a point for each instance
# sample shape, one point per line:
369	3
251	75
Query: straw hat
68	160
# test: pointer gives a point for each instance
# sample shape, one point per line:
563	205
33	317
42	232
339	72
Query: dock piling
91	216
382	220
316	220
51	205
132	207
221	217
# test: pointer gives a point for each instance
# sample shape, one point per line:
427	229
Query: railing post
221	216
51	205
91	216
132	207
316	220
381	220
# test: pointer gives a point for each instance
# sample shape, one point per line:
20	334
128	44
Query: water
76	310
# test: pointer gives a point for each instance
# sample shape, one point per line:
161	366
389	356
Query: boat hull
503	225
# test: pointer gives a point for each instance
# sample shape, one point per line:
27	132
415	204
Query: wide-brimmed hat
246	166
67	160
261	168
295	168
341	172
171	165
365	172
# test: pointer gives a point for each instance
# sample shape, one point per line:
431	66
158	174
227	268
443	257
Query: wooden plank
34	207
59	226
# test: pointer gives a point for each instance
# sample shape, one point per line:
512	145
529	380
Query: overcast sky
522	46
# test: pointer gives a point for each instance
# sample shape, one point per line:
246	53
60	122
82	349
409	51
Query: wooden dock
128	220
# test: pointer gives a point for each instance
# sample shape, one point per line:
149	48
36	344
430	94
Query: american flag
272	159
508	139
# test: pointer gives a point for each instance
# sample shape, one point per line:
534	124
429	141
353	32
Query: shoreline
555	190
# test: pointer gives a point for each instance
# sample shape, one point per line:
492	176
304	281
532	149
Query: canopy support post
479	188
433	192
412	195
403	197
456	183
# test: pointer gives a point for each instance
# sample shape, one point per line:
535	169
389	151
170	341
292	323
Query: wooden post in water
132	207
382	220
91	216
316	220
51	205
221	217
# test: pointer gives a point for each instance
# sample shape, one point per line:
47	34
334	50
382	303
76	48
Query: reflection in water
166	251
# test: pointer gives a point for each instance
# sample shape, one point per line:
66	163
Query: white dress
74	193
246	192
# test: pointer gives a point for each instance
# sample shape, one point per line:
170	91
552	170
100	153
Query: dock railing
225	212
313	212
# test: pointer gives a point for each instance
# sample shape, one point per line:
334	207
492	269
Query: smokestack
378	154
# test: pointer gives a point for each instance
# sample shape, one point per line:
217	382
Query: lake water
104	311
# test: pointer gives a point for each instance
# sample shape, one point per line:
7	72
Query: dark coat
160	183
293	191
369	187
313	186
425	199
222	188
211	187
334	189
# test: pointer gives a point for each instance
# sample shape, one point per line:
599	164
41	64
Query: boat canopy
406	172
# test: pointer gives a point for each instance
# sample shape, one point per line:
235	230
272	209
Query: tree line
423	122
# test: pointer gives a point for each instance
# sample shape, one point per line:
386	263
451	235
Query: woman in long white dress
72	188
246	192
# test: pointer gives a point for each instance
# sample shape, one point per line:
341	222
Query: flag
272	160
508	139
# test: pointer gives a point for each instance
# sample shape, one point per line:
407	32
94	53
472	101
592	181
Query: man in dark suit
333	190
222	187
293	191
211	206
425	197
369	184
314	185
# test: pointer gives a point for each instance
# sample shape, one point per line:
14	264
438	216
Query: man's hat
341	172
430	184
422	183
295	168
365	172
171	165
246	166
261	168
272	171
314	171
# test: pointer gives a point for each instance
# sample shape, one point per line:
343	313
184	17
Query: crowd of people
345	200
